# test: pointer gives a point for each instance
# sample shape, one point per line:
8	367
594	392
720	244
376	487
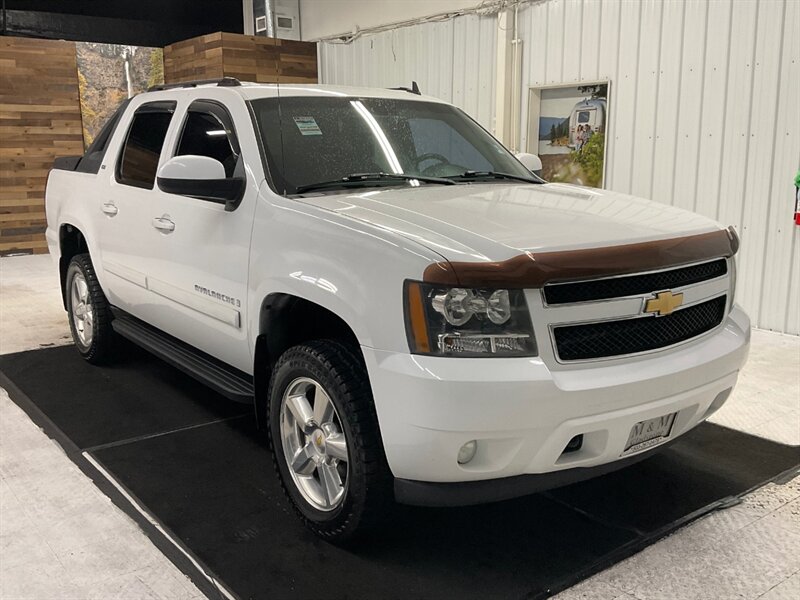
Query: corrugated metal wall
452	60
704	114
704	107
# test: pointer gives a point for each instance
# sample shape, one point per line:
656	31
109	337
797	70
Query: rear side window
91	161
208	131
138	161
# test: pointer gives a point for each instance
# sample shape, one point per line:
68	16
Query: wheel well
286	321
71	242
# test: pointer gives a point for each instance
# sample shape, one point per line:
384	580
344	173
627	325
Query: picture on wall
108	74
571	132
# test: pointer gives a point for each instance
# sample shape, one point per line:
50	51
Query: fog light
574	444
467	452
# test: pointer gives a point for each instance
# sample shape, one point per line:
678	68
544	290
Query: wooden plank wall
197	58
298	62
40	119
248	58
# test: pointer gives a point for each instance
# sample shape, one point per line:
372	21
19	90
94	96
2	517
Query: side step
220	377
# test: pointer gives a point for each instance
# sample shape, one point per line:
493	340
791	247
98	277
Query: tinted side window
142	149
93	158
205	134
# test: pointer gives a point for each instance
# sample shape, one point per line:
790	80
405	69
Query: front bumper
466	493
523	412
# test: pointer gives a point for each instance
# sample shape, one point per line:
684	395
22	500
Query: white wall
321	18
704	114
452	60
704	108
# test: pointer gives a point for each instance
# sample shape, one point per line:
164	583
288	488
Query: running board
226	380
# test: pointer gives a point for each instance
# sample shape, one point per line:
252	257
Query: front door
199	271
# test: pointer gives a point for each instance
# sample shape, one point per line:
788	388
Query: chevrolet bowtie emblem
663	304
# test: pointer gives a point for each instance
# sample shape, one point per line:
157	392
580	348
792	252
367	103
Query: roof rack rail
414	89
224	82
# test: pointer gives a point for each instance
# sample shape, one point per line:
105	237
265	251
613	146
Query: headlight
453	321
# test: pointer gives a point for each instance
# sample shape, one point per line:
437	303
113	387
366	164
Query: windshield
309	140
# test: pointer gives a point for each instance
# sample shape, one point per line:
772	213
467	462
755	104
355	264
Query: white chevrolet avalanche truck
413	313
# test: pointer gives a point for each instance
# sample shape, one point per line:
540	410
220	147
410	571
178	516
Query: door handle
163	224
110	209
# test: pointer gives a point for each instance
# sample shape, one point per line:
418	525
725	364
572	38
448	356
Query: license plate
650	432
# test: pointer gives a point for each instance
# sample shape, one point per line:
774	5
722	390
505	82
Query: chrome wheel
314	444
82	312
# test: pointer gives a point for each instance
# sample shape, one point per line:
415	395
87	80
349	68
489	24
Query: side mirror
531	162
200	177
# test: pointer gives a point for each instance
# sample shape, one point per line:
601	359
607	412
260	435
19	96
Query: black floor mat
138	395
197	463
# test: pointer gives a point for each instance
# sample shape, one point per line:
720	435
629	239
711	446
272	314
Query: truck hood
493	222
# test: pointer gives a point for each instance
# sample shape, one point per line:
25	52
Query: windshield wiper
355	179
494	175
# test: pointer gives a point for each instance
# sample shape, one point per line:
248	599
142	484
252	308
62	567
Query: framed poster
109	74
567	129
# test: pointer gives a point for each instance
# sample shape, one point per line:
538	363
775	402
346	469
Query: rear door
126	204
200	266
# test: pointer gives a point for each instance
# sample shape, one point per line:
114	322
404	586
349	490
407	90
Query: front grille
617	287
629	336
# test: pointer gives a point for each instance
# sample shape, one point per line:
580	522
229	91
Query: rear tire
89	313
336	476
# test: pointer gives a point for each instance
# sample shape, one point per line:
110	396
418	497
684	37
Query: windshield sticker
307	126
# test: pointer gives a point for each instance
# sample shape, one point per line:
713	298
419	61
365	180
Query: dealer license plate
649	433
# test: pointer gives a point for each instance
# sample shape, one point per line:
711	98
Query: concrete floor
62	538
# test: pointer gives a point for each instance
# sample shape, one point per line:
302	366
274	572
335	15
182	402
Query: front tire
325	441
88	310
